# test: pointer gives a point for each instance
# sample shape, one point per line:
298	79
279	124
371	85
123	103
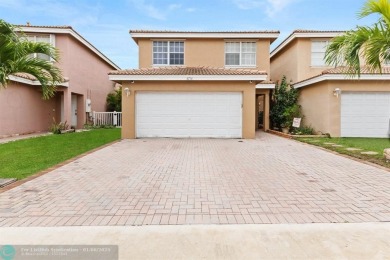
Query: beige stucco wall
285	63
248	90
205	52
294	61
305	70
322	110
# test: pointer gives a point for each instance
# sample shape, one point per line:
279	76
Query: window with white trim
240	54
47	38
168	53
318	49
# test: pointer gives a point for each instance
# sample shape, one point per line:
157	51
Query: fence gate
107	118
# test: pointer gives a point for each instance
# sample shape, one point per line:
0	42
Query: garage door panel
365	114
189	114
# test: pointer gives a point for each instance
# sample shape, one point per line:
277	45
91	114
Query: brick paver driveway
202	181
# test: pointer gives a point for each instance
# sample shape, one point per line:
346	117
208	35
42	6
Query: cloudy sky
106	23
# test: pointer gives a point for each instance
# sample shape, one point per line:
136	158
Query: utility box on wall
88	105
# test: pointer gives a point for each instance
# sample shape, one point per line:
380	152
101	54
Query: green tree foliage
114	101
284	103
17	56
370	44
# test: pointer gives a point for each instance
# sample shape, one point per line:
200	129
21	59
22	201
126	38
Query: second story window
168	53
318	49
41	38
240	54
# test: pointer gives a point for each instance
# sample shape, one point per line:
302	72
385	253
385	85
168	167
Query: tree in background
369	43
114	101
17	56
284	105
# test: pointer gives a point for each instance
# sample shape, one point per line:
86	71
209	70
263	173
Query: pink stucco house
85	68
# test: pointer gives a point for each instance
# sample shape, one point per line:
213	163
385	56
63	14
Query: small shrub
283	102
56	128
114	101
91	126
304	130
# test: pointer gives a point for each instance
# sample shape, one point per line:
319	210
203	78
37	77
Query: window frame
240	54
168	52
52	41
323	58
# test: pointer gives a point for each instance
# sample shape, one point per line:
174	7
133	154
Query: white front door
74	110
189	114
365	114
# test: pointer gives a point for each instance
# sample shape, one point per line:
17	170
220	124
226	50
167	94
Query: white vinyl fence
107	118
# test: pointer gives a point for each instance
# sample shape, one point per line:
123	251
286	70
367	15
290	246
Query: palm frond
17	56
381	7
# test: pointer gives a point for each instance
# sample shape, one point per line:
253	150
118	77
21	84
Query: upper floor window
168	53
318	49
41	38
240	54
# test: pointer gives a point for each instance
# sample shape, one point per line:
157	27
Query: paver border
43	172
336	153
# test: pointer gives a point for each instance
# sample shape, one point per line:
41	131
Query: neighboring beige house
22	109
331	101
196	84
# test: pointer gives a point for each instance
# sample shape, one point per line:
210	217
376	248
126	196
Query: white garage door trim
365	114
188	114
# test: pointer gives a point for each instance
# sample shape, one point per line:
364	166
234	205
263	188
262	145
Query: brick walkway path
202	181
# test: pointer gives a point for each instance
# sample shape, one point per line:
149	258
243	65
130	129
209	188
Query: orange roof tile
187	71
173	31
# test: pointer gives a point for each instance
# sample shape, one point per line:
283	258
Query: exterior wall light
337	92
127	91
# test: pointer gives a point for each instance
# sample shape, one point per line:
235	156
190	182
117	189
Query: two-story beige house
332	102
197	84
84	67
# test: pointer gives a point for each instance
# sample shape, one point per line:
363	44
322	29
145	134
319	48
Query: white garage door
365	114
189	114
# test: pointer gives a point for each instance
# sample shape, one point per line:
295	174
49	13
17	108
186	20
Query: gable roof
137	34
187	73
300	33
341	73
66	30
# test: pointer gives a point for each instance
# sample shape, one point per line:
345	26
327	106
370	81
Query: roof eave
32	82
221	35
68	30
325	77
296	35
124	78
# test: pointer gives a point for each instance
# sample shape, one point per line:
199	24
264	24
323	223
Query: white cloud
270	7
248	4
159	13
70	14
275	6
174	7
190	10
149	9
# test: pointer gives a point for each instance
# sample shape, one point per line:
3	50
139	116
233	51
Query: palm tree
17	56
370	44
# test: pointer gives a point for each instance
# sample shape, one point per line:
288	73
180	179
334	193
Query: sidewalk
19	137
284	241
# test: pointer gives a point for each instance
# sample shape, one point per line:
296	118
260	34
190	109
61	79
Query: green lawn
366	144
22	158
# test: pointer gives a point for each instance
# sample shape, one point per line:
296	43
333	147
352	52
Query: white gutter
341	77
187	77
265	86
